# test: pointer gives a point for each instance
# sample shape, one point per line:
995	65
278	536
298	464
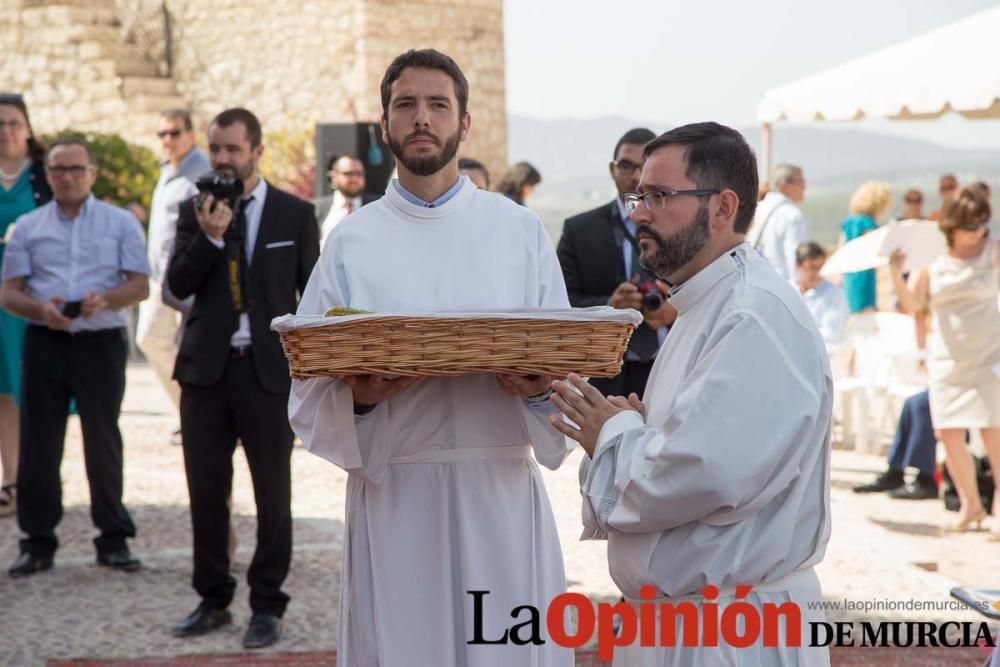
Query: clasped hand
586	407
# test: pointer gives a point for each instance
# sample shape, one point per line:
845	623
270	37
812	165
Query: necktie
238	265
348	207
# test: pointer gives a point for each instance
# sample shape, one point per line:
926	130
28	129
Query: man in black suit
599	255
244	265
347	176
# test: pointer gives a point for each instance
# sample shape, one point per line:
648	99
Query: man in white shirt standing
722	477
347	176
184	163
824	300
443	496
779	226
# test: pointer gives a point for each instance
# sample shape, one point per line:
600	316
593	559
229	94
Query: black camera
221	187
652	297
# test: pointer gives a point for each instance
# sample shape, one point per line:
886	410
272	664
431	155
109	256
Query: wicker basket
422	346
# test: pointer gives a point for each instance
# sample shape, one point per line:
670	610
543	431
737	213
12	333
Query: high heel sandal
965	525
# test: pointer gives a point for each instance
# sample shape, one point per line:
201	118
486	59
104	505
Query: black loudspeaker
360	140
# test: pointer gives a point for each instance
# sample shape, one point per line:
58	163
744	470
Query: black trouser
88	367
212	418
632	379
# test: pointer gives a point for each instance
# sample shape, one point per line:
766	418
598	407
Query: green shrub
126	172
289	161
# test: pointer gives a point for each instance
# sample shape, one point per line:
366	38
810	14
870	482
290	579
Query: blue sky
668	62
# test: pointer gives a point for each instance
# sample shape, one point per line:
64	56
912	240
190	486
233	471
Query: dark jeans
914	442
212	418
90	368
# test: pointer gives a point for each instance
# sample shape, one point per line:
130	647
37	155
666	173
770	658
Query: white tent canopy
952	68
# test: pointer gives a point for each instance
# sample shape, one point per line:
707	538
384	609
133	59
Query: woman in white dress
964	352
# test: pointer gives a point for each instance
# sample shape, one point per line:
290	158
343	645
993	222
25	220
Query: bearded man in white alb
443	497
722	477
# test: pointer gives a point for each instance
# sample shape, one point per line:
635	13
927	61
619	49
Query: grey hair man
779	226
159	320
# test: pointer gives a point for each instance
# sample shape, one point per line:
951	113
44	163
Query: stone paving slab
880	550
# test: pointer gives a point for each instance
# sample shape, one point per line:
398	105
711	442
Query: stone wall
50	55
471	32
324	60
293	64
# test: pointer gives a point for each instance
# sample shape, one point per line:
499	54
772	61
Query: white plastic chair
886	371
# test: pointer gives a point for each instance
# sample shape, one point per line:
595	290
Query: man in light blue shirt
825	300
159	320
72	268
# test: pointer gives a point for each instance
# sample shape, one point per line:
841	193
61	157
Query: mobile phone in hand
71	309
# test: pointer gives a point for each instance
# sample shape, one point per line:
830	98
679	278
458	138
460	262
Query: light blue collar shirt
417	201
66	259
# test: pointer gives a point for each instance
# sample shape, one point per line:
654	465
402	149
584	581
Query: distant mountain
573	157
573	154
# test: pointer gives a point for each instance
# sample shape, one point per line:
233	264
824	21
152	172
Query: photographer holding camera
599	255
244	249
72	268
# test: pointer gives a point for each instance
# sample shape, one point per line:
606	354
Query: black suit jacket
278	275
590	254
323	205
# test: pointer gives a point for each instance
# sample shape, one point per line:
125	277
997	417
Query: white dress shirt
829	309
778	229
338	211
252	211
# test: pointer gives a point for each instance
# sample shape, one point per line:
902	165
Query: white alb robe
443	497
727	481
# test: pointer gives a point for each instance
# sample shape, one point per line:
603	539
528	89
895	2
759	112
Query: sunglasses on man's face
173	134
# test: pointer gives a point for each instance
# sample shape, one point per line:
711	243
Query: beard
426	165
351	192
672	253
243	173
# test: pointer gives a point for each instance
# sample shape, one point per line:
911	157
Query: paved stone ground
881	550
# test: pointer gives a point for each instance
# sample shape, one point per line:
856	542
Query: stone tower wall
291	63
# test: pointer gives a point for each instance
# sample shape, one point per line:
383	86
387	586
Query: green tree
289	161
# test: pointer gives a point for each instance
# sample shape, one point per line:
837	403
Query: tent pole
765	149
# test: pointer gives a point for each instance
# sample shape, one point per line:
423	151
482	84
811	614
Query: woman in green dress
868	203
22	188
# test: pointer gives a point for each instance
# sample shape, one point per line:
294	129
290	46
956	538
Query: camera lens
652	300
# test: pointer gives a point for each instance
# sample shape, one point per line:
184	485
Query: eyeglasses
627	166
974	227
355	174
914	201
12	124
74	170
656	199
173	134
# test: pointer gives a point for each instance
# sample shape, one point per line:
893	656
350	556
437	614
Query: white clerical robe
727	480
443	496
